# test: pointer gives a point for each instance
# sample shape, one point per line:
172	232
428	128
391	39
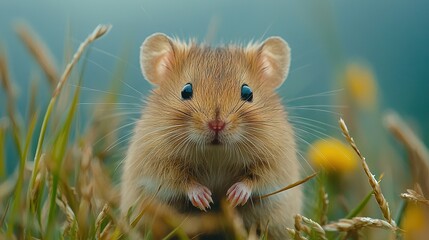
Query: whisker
317	105
312	120
110	72
322	94
299	68
110	104
118	114
315	109
110	55
98	90
113	131
119	141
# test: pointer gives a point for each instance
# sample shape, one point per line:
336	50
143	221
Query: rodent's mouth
216	141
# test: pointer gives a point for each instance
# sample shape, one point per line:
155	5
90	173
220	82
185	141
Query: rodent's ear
274	60
156	57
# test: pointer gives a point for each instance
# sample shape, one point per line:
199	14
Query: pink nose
216	125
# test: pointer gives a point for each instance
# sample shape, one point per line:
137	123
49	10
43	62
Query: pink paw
200	196
238	194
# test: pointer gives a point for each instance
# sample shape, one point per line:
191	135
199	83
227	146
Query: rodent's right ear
156	57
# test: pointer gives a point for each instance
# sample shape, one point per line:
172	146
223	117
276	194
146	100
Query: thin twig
346	225
318	230
97	33
414	196
417	151
100	219
39	51
288	187
382	203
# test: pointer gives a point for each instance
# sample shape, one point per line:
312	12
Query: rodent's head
215	96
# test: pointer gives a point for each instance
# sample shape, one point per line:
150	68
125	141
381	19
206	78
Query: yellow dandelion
361	85
332	155
415	222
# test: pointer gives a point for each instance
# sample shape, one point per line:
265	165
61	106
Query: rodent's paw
238	194
200	196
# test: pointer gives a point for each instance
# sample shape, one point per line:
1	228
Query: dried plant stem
382	203
418	153
70	216
100	218
324	206
415	196
298	228
10	94
3	127
40	53
289	186
317	229
346	225
97	33
234	220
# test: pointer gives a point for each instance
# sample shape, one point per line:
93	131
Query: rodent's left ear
274	60
156	57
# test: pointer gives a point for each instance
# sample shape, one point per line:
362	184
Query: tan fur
170	149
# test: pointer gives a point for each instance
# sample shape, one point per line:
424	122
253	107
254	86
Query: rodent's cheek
233	128
198	127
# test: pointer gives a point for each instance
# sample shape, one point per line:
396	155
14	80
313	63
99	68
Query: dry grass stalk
99	31
103	187
414	196
298	228
356	223
417	151
7	187
291	232
101	216
70	216
40	178
39	51
4	124
106	231
324	207
4	75
6	82
234	220
253	235
288	187
317	229
382	203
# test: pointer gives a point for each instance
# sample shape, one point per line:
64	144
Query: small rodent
215	128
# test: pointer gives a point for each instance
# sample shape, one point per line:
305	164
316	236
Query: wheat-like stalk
417	151
318	230
382	203
414	196
299	228
100	218
297	183
356	223
70	216
324	207
39	52
97	33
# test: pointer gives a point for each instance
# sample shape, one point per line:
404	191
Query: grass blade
353	213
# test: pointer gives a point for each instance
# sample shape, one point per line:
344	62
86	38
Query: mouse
214	128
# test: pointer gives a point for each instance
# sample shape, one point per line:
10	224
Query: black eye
246	93
187	91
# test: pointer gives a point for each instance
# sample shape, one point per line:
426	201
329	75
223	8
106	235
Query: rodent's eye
187	91
246	93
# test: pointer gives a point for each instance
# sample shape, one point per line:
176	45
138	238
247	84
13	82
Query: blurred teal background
390	36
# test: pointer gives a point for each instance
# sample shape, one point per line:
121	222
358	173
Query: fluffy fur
170	153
